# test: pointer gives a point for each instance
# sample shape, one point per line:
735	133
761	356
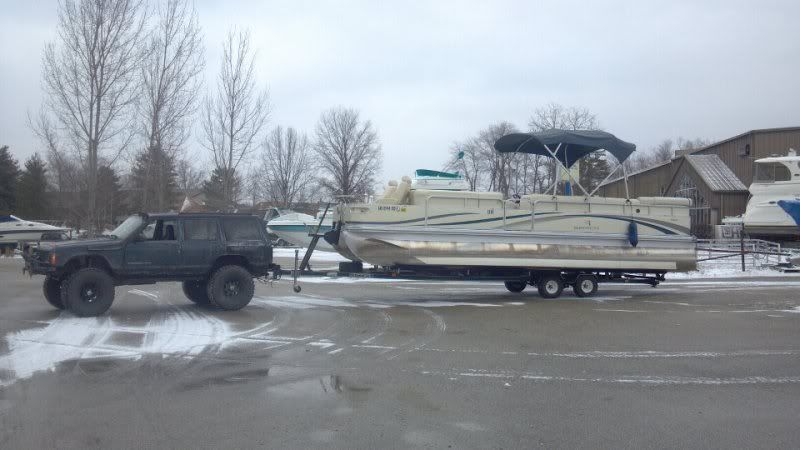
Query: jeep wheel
515	286
231	288
88	292
197	292
52	292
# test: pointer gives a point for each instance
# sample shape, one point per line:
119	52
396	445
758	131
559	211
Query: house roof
715	174
756	131
701	149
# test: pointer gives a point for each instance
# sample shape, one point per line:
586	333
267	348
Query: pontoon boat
411	226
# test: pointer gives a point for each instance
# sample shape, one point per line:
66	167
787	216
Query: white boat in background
773	211
296	228
413	227
14	230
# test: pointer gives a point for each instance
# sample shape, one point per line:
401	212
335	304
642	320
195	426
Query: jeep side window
200	230
147	233
159	230
241	229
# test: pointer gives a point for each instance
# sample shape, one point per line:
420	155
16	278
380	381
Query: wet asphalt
405	364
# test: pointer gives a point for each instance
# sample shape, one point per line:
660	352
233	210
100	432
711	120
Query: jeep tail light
53	258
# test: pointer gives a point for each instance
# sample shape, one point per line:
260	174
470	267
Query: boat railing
627	208
503	205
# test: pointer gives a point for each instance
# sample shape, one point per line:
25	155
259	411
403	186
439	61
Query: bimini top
575	144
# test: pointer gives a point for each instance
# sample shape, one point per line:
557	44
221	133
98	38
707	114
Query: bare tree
170	82
90	77
691	144
349	152
500	167
466	158
188	178
663	151
235	116
556	116
286	167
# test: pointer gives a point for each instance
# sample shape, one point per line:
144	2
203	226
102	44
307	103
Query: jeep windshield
128	227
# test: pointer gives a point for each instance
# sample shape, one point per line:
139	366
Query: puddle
319	387
226	379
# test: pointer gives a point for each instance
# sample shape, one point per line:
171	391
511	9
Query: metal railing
744	253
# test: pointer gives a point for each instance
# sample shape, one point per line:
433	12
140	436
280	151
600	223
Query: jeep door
155	251
201	244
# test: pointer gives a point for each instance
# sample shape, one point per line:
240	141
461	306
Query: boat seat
396	196
388	193
460	199
425	193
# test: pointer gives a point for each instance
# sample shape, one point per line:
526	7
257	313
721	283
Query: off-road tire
515	286
52	291
550	285
585	285
230	288
88	292
197	292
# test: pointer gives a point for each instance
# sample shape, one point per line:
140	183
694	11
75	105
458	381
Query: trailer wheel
515	286
550	285
585	285
52	291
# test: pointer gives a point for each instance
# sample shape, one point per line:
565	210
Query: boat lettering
392	208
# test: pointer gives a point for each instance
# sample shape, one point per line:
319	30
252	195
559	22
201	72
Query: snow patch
318	255
727	272
176	332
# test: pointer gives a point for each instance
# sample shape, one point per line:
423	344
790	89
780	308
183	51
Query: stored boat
541	233
298	228
14	230
773	211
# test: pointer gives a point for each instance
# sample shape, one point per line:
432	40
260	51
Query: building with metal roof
715	177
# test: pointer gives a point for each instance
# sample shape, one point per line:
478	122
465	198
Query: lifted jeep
216	257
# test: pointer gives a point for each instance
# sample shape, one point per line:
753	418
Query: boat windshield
128	227
771	172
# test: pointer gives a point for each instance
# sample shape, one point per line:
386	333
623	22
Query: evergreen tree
593	169
9	171
109	200
215	189
31	194
153	179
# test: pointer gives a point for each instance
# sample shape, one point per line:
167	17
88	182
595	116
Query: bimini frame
550	142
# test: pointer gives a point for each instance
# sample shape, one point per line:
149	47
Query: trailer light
53	258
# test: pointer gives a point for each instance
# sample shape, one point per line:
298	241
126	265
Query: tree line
123	89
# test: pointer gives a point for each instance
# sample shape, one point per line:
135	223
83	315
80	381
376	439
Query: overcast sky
429	73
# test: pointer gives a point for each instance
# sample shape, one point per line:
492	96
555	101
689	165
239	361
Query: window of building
200	230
